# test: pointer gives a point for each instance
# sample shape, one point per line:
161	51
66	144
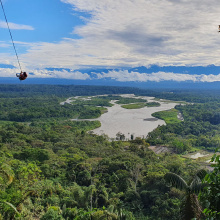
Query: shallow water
197	155
131	121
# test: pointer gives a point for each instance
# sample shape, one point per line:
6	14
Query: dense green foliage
169	116
62	91
62	167
193	96
25	109
153	104
134	106
54	168
200	129
211	196
141	105
191	209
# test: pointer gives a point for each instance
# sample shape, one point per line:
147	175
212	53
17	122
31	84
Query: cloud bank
125	76
131	33
119	75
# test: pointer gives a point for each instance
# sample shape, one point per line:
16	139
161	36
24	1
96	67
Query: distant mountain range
146	85
132	77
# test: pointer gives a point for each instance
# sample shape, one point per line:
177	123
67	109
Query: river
136	122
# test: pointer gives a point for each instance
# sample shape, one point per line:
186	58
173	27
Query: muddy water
137	122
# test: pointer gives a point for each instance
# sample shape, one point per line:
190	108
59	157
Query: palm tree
108	214
191	207
124	214
6	175
6	178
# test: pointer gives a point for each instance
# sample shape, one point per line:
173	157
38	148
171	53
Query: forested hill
52	168
192	95
60	90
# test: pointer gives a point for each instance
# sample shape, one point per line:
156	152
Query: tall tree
190	207
211	194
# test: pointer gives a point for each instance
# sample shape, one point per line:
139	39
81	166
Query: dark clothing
22	75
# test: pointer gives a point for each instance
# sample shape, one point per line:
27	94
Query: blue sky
71	35
46	22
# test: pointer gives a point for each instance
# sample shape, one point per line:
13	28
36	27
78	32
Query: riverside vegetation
54	168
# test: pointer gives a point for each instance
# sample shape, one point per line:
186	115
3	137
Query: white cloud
14	26
6	58
8	72
137	32
121	75
134	33
60	74
4	44
125	76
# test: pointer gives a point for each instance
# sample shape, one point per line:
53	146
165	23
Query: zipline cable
10	35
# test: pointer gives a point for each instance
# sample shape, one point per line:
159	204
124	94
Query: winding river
136	122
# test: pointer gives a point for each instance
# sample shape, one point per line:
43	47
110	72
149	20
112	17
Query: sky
74	35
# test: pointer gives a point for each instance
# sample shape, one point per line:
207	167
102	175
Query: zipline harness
11	36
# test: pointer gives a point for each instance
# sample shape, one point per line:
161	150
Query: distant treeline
195	96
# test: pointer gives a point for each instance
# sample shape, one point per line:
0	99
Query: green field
141	105
134	106
153	104
169	116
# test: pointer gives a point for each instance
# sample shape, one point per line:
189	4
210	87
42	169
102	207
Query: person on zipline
22	75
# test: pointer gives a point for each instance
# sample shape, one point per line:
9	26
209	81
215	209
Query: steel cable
10	35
